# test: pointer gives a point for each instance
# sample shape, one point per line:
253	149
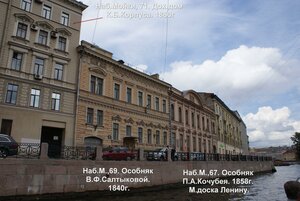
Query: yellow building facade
118	105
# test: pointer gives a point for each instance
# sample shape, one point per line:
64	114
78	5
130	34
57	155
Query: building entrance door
52	136
6	126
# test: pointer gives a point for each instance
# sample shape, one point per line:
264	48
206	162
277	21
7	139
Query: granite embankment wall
32	177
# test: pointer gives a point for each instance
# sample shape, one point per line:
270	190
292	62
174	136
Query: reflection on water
270	186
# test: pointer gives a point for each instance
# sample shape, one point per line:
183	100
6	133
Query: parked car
8	146
160	155
118	153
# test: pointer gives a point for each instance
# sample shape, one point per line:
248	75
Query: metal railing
28	150
33	151
199	156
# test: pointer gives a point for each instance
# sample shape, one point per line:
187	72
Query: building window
140	135
128	131
181	142
149	101
157	138
115	135
149	136
198	121
35	97
22	30
157	103
43	37
203	124
172	112
39	66
207	124
188	143
90	116
194	144
55	101
173	139
26	5
96	85
62	43
140	98
164	105
99	118
186	117
65	18
58	71
199	145
117	91
193	119
11	94
46	12
165	138
180	114
128	95
16	62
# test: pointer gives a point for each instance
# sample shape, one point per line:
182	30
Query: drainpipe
170	114
6	25
81	52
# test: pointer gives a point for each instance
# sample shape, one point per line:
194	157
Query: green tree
296	140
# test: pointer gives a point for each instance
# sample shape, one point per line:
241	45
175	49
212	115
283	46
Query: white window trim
57	41
51	11
45	63
16	29
30	6
48	37
64	63
24	58
61	14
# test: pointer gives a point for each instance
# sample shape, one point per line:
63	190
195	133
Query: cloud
142	67
271	127
244	72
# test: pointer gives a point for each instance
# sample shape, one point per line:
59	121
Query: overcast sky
246	52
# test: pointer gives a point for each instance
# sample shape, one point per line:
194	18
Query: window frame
117	91
128	130
47	11
129	95
157	103
115	131
35	97
65	18
43	39
58	73
90	116
140	98
24	5
16	63
55	101
100	118
11	93
62	46
39	66
22	29
140	134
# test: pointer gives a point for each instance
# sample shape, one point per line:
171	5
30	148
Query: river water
265	187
